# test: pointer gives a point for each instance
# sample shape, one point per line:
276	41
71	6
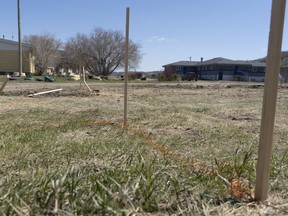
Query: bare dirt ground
79	89
20	86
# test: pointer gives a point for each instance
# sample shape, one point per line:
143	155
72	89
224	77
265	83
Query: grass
184	148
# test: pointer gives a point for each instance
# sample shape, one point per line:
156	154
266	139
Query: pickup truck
190	76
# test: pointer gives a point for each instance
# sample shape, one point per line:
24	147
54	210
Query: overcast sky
167	30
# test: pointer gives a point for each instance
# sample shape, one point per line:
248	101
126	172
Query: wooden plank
126	66
269	100
45	92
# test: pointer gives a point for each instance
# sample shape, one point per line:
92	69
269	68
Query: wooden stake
84	79
269	100
4	84
126	66
19	39
80	69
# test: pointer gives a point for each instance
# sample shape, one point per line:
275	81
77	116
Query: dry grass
58	155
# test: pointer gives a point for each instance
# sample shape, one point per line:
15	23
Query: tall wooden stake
126	65
19	39
269	100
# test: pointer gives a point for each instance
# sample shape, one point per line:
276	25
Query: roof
224	61
219	60
258	64
183	63
284	59
11	42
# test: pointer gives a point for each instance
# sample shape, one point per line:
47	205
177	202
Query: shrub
134	75
167	76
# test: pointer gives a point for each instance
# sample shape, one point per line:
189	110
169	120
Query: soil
75	89
68	92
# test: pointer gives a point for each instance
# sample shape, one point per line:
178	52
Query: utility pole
19	39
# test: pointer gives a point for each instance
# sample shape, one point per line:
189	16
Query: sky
167	30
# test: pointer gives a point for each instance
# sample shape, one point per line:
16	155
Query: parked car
190	76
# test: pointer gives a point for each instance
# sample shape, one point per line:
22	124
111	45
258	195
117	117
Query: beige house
9	57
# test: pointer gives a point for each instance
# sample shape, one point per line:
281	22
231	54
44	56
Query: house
231	70
283	77
9	57
221	69
181	67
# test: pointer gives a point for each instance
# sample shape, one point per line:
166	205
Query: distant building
221	69
226	69
9	57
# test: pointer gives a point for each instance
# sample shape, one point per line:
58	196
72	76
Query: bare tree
46	48
101	52
71	57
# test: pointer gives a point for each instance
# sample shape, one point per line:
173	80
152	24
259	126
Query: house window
178	68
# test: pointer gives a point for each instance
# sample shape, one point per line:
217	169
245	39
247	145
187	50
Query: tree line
101	52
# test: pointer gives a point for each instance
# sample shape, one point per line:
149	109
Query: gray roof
219	60
284	59
14	42
258	64
183	63
222	61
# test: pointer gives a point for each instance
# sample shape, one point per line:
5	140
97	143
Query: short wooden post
126	66
84	79
269	100
80	70
4	84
